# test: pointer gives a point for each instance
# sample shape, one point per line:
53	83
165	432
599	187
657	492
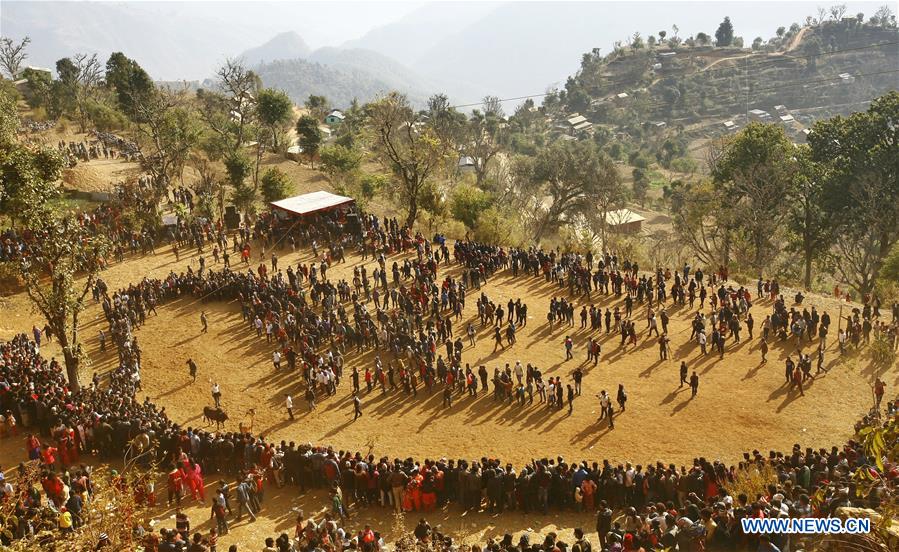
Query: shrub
275	185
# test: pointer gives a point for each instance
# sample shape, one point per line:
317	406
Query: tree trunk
413	212
808	271
71	359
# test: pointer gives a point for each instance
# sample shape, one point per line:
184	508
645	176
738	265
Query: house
658	125
334	118
781	109
846	77
621	96
759	115
787	119
730	126
584	126
466	164
576	119
624	221
294	153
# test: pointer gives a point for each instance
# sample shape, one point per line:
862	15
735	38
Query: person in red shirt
175	486
49	456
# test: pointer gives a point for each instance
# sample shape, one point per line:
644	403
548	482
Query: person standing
694	384
683	374
288	402
205	321
357	406
216	395
879	390
764	348
276	360
622	397
568	345
192	369
570	399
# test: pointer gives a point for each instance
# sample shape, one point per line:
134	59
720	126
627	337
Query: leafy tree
757	43
702	39
810	229
133	86
640	185
861	186
318	106
12	54
275	185
40	84
781	31
724	36
238	168
275	111
467	204
889	272
310	137
412	151
29	175
340	163
577	177
65	250
754	169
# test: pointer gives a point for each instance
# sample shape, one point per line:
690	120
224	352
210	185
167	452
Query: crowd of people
405	311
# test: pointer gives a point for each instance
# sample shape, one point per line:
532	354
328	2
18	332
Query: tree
30	173
274	109
884	17
310	137
636	42
238	168
753	170
340	163
702	39
810	230
79	77
578	178
663	34
240	86
133	86
167	133
861	187
275	185
318	106
407	147
483	137
493	107
467	203
757	43
640	185
12	54
781	31
724	36
63	251
837	11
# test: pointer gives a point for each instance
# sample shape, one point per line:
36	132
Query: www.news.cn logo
805	526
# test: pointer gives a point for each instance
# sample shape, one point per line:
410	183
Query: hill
644	94
286	45
299	78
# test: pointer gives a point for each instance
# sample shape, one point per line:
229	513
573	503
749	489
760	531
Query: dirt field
742	404
747	401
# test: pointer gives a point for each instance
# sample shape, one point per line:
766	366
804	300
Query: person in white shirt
276	360
216	395
288	402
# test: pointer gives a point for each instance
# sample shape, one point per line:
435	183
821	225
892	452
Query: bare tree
493	107
12	54
240	85
838	11
822	15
